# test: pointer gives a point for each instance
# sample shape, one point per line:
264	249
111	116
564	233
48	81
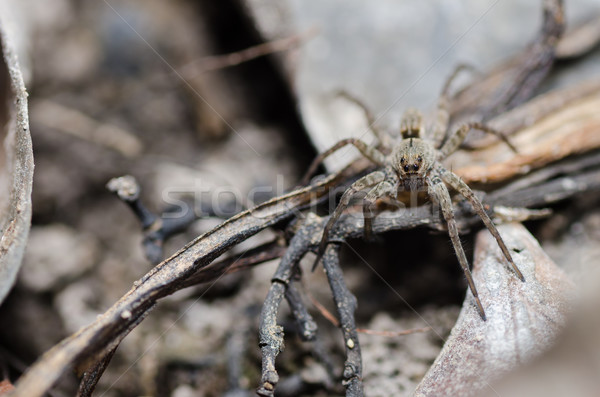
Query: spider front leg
383	138
461	187
366	181
455	140
369	152
440	194
443	107
381	190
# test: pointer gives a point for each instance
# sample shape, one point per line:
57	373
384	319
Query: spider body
413	164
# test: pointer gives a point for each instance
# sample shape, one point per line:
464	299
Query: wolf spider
413	164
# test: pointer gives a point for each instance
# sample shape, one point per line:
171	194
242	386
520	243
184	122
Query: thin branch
514	81
157	229
215	62
393	334
390	334
345	302
306	324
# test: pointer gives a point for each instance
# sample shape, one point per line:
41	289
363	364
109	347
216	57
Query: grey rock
394	55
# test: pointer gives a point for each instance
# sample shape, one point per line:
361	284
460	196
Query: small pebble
350	344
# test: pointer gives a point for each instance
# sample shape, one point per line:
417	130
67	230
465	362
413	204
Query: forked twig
345	303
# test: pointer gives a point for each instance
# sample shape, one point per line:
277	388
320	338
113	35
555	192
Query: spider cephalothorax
412	160
413	163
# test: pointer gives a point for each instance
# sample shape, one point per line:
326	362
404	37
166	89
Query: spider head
412	159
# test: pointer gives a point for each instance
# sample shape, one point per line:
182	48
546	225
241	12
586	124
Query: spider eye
415	167
419	159
402	160
406	168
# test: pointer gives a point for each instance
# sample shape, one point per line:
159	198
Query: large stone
395	54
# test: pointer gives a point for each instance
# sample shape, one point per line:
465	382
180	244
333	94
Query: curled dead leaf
561	123
524	318
16	168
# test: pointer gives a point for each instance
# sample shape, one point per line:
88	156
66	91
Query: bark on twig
271	334
90	378
307	326
345	303
157	229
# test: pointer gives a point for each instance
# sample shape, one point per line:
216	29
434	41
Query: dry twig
215	62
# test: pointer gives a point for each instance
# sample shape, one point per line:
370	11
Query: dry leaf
549	128
16	169
524	318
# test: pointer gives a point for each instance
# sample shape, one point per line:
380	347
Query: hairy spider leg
383	137
387	188
366	181
369	152
438	190
461	187
443	107
459	135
